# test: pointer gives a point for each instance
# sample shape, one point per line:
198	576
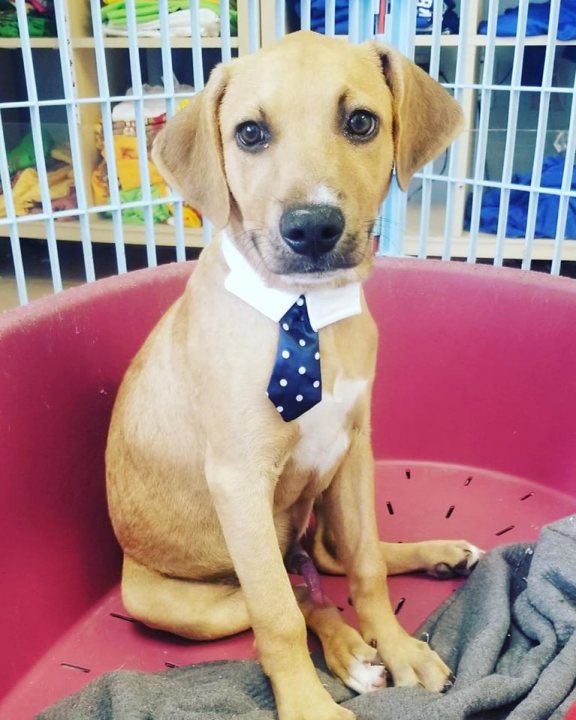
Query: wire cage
76	182
473	422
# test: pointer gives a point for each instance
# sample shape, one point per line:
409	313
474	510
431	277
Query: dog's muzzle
312	230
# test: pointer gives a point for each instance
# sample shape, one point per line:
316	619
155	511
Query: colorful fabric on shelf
137	215
190	217
39	24
23	155
115	19
126	156
101	196
537	21
546	210
99	183
127	163
26	192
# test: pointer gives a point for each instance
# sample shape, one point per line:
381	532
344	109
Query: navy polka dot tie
295	385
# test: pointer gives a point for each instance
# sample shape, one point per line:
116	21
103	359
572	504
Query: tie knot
296	318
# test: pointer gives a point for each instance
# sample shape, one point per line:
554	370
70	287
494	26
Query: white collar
325	305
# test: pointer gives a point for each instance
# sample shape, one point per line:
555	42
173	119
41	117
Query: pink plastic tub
474	431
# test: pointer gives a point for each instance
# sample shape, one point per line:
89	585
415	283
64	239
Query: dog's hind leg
207	611
195	610
346	654
439	558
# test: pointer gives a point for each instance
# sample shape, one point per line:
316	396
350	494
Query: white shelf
486	244
482	41
112	42
102	231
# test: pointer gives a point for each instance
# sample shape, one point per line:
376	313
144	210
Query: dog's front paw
449	558
353	661
305	698
413	663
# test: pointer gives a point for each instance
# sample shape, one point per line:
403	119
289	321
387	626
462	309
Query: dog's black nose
312	229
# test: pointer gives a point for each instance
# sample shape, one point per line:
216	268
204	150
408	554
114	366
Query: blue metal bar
280	15
197	59
354	21
105	103
368	11
511	130
305	13
253	25
24	104
539	149
427	184
497	184
563	204
482	133
36	124
454	149
226	51
330	19
138	99
400	34
74	138
169	90
19	273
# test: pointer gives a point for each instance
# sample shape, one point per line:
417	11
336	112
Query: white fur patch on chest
324	436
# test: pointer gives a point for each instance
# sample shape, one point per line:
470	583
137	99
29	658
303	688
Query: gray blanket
508	634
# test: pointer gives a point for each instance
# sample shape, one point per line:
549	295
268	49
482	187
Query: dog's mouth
313	243
348	254
341	265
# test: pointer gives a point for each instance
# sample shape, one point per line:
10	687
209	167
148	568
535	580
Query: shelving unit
488	75
508	74
88	101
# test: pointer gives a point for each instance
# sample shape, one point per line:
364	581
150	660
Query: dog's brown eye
362	124
252	135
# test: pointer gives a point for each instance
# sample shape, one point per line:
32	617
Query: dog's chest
325	429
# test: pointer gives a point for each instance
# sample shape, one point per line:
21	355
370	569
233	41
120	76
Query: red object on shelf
473	425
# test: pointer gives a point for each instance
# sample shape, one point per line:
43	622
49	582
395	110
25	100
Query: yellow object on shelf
26	190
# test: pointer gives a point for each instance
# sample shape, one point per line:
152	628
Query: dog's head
293	148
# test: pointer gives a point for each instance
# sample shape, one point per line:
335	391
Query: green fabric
147	11
136	216
38	26
23	155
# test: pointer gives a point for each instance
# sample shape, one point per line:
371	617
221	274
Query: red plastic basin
474	428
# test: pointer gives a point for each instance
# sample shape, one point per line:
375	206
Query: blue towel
538	18
547	208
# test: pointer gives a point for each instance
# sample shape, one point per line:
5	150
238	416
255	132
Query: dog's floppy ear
426	116
188	152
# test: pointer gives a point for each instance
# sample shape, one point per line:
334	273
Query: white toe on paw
364	678
459	559
475	554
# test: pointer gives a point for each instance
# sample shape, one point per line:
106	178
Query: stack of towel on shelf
24	181
148	24
124	128
39	15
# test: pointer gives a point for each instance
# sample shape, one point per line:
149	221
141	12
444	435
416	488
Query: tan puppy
291	150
